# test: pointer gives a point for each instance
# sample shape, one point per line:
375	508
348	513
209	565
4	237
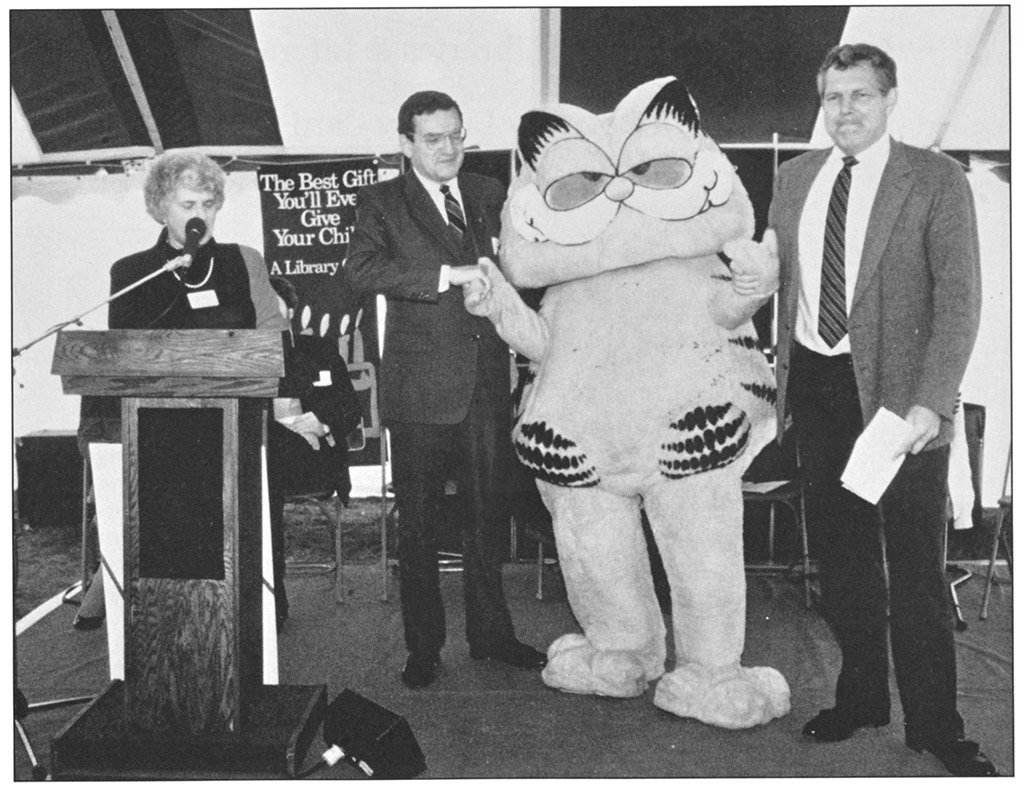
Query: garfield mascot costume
647	389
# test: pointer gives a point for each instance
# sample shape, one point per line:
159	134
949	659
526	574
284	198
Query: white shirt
865	177
434	190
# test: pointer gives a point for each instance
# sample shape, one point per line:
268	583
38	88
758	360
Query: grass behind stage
50	557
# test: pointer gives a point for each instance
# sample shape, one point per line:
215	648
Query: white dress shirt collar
434	190
874	156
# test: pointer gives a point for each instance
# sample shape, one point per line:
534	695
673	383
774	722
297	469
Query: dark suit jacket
431	343
917	301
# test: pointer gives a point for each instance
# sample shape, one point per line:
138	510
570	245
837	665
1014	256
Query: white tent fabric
337	77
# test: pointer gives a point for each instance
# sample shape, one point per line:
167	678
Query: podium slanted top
213	363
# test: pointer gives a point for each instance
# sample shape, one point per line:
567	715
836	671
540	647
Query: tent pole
550	54
965	79
132	74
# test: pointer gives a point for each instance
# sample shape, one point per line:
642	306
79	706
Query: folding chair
774	479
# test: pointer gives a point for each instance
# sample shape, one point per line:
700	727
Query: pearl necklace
205	280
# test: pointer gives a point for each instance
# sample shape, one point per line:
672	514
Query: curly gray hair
181	169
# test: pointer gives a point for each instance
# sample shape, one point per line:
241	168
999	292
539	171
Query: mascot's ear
673	101
537	130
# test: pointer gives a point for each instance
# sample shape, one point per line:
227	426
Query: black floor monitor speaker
374	739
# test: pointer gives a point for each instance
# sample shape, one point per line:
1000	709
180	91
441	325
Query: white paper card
201	299
874	463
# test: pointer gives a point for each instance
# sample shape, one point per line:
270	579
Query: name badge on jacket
200	299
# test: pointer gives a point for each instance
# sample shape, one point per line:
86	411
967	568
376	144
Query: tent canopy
110	85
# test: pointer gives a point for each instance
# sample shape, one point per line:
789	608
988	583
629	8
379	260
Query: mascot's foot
575	666
734	697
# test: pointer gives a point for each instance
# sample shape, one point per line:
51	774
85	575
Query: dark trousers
475	453
915	611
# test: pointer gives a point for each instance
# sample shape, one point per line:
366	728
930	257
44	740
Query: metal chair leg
337	558
540	570
806	553
992	563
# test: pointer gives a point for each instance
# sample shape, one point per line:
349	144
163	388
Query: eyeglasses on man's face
456	138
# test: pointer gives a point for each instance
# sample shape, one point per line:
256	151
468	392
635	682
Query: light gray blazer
917	301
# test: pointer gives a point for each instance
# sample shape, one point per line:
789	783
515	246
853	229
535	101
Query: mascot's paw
734	697
575	666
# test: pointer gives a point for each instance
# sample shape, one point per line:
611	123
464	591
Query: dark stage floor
487	721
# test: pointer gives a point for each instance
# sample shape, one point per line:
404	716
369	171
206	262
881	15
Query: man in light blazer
445	379
879	306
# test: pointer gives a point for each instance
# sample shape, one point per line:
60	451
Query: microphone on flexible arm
195	229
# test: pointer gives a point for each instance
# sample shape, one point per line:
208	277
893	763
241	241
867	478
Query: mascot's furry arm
755	277
516	323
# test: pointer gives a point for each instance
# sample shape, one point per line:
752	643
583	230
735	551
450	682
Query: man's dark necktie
456	219
832	304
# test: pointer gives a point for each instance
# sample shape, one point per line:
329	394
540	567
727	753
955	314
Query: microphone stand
170	266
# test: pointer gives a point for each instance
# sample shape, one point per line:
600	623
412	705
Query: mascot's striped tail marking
706	438
745	341
552	457
765	392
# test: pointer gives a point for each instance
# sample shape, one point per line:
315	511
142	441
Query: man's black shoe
514	653
961	757
420	670
832	725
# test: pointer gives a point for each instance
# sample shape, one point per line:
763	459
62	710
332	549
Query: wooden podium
192	702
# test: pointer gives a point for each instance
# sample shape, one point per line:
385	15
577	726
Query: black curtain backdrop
738	62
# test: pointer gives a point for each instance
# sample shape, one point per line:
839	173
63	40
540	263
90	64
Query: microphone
195	229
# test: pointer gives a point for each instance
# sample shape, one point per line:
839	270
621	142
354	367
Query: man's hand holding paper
878	454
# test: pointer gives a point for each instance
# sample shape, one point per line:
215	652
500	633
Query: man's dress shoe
514	653
420	670
831	725
960	757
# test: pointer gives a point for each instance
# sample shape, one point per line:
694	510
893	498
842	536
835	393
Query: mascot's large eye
575	189
661	173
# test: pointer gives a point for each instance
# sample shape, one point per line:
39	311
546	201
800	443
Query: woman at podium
209	289
206	285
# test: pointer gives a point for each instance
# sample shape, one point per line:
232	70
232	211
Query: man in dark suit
444	379
879	307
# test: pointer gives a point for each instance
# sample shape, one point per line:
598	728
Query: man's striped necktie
456	219
832	304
